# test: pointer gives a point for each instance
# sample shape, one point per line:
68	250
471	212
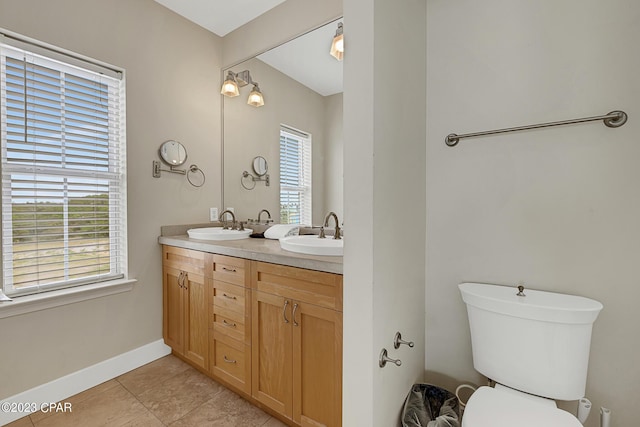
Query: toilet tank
538	343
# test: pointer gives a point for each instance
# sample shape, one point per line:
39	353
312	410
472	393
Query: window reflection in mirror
295	176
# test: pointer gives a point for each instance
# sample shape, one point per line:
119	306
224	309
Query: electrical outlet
213	214
228	217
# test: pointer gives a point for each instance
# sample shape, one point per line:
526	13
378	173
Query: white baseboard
84	379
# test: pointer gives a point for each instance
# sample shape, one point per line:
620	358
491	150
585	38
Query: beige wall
250	132
333	157
556	208
384	184
173	78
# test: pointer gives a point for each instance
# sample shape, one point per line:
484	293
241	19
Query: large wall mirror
302	88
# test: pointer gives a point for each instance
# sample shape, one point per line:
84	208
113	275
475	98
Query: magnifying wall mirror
259	166
173	153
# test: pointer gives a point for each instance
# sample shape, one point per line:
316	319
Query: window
63	162
295	176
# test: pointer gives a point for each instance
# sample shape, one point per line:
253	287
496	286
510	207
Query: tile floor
167	392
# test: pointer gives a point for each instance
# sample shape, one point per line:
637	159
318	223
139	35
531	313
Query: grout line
141	402
159	384
194	409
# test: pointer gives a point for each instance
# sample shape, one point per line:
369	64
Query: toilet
535	346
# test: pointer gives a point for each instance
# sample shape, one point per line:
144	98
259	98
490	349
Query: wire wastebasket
430	406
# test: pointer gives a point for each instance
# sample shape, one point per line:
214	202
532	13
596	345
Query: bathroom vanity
265	322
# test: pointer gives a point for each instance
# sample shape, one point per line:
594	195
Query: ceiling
220	16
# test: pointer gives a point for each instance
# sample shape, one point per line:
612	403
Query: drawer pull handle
284	312
228	360
230	270
230	297
295	307
231	325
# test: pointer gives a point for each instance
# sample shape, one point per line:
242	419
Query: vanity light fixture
230	86
234	81
337	45
255	97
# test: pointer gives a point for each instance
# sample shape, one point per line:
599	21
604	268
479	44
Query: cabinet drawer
230	297
230	323
231	270
183	259
313	287
231	361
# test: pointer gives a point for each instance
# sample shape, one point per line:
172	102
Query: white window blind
63	172
295	176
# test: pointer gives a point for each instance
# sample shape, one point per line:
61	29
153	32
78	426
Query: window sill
45	300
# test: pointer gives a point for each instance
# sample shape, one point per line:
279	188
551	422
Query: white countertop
265	250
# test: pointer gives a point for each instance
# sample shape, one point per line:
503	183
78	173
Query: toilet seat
496	407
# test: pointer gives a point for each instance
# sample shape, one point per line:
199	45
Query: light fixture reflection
255	97
337	45
230	86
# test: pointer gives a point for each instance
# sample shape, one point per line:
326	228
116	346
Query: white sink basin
312	245
217	233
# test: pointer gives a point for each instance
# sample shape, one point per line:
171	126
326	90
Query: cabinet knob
228	360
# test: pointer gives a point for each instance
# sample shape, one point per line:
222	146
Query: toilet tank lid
536	305
491	407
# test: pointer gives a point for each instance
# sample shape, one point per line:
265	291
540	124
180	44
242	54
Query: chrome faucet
260	214
326	224
223	220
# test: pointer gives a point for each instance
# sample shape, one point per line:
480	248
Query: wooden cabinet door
271	363
196	316
173	309
317	365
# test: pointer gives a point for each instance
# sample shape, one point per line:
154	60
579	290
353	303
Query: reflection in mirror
303	84
259	166
173	153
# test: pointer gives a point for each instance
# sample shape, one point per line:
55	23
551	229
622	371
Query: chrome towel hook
384	359
398	341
